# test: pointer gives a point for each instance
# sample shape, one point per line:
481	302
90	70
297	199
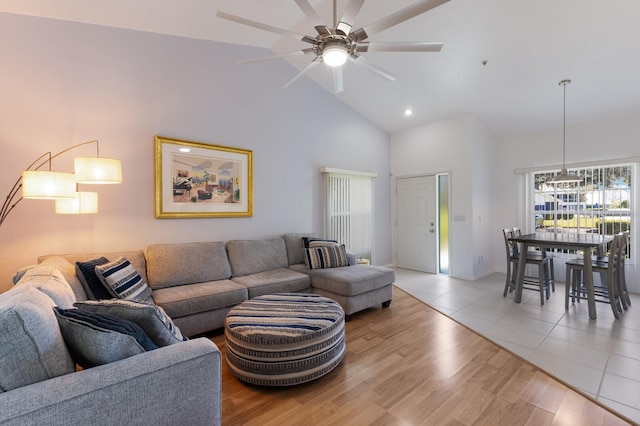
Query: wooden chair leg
553	275
507	284
614	299
622	289
547	279
577	284
567	288
541	282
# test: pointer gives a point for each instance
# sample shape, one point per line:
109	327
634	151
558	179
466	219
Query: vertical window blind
349	210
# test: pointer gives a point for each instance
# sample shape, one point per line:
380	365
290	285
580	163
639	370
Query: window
601	203
349	210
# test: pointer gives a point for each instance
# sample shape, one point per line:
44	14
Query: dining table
561	241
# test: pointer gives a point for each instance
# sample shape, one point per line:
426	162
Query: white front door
416	229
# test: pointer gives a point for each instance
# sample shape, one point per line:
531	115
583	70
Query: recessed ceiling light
408	112
185	150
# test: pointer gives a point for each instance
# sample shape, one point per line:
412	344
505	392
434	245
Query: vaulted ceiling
502	59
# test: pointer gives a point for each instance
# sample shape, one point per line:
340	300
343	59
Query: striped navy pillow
123	281
330	256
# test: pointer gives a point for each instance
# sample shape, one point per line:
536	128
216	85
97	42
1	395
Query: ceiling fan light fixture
335	55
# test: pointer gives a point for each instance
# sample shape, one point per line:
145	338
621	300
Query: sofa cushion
96	339
31	346
151	318
122	280
326	256
350	280
50	281
86	272
281	280
169	265
191	299
295	249
252	256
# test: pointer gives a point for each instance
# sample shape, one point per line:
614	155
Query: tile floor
599	357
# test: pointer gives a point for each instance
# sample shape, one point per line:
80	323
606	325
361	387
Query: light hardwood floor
411	365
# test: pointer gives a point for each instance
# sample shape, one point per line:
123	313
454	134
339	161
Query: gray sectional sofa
196	284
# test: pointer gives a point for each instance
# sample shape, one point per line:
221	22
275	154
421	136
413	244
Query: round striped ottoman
284	339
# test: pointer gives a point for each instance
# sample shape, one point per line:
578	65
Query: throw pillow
309	242
96	339
332	256
153	319
31	346
92	284
122	280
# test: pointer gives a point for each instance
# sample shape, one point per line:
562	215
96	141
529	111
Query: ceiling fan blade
265	27
313	17
305	70
280	55
359	60
396	18
366	46
349	15
338	80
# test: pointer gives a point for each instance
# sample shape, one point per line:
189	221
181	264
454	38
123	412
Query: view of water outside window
600	204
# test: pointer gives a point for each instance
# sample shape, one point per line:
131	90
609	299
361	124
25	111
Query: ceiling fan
336	44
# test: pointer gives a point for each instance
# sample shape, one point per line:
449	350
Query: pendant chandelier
564	176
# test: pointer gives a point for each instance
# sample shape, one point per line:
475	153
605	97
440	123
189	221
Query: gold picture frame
196	179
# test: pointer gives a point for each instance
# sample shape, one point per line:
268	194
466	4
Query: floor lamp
38	184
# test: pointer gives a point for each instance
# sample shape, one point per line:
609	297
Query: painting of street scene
210	180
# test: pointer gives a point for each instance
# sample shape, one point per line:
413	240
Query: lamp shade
83	203
45	185
97	170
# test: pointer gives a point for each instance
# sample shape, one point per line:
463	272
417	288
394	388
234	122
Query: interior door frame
394	216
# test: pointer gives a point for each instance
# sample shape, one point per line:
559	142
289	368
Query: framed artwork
195	179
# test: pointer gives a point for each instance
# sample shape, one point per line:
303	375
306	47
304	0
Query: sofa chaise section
354	287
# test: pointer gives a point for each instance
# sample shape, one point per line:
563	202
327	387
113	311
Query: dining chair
621	280
552	278
541	283
608	268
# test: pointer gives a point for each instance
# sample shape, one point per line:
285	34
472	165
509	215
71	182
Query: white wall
597	140
64	83
461	147
483	164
